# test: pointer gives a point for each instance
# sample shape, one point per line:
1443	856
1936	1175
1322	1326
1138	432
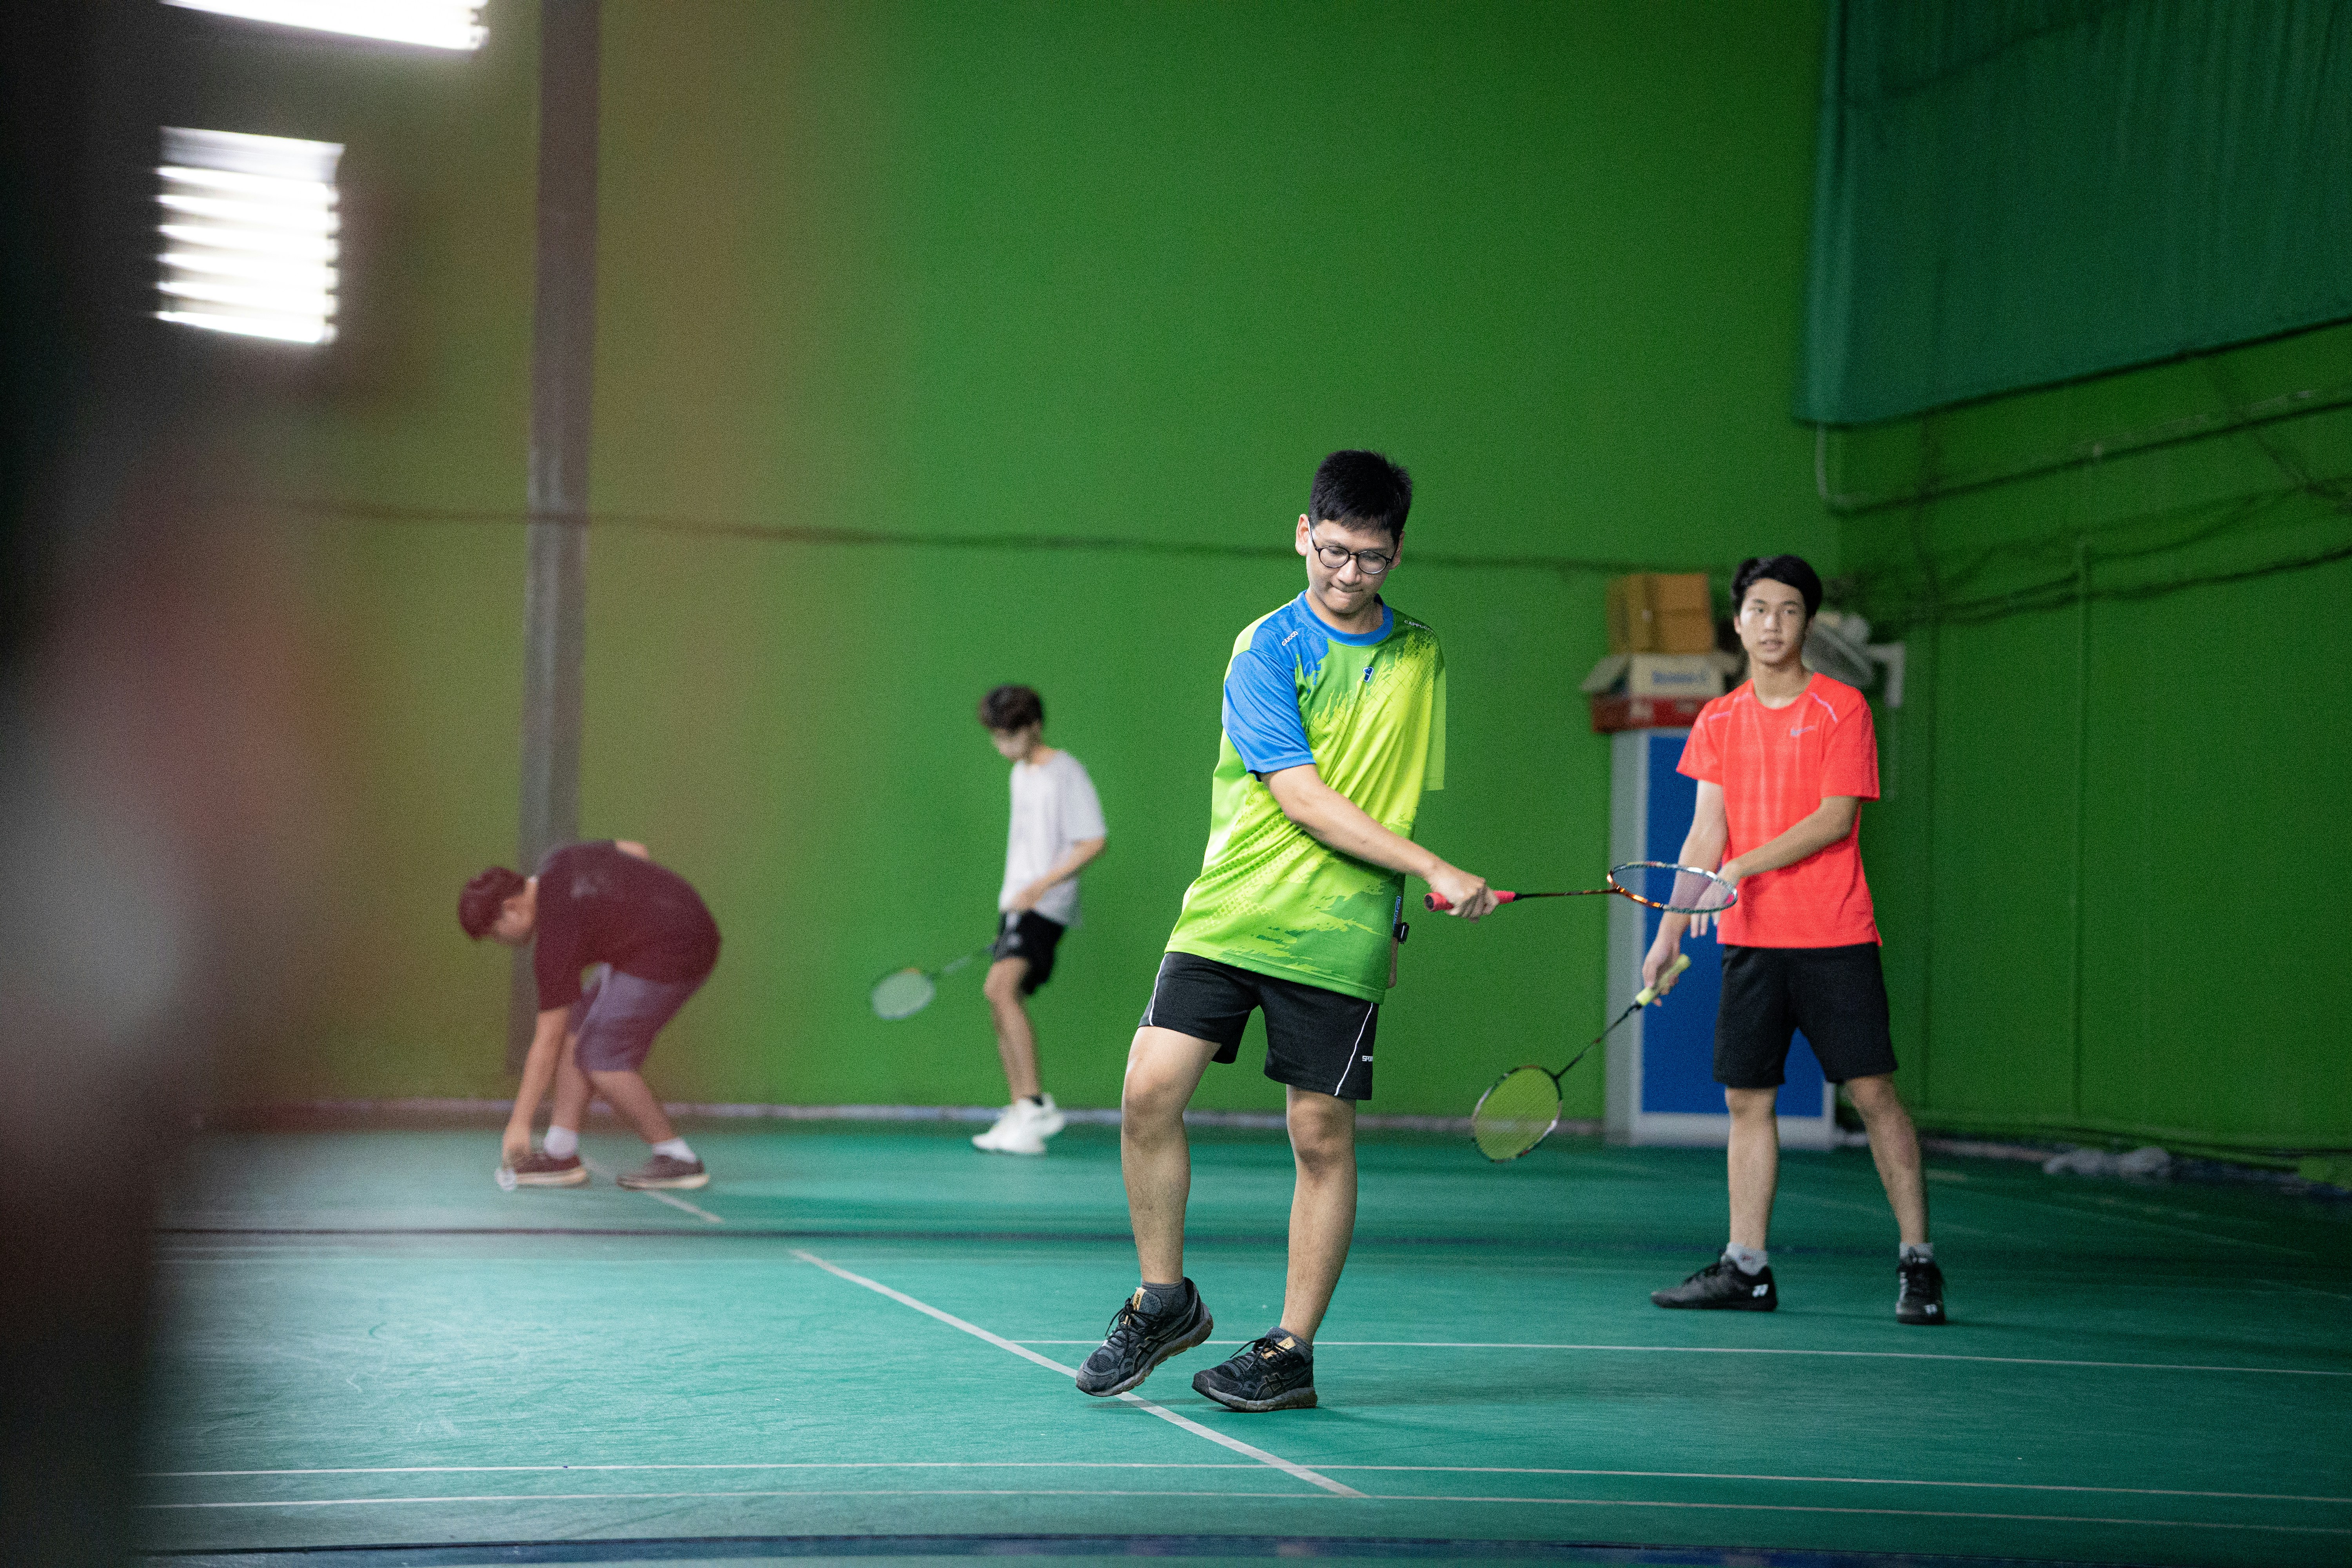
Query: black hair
1789	569
1363	490
485	896
1012	708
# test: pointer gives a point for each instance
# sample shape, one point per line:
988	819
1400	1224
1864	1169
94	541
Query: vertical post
562	376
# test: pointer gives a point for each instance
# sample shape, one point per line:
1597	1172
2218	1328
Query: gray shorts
618	1015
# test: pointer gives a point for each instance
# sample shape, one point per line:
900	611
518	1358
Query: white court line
1759	1349
1890	1513
655	1194
647	1497
1160	1465
1236	1444
2105	1209
1291	1497
778	1464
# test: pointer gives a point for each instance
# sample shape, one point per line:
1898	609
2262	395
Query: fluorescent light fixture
437	23
249	234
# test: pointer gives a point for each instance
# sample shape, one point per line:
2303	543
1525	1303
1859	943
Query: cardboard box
1611	714
1698	675
1657	611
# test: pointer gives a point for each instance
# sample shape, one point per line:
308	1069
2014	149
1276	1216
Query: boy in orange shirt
1783	764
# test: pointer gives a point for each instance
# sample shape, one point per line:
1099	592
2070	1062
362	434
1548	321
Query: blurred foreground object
159	831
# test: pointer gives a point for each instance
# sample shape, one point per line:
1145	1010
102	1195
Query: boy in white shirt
1057	827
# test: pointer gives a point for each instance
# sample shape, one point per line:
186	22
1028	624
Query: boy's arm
538	1072
1710	831
1331	817
1071	863
1824	826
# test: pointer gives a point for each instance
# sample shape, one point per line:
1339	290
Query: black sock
1036	1100
1163	1296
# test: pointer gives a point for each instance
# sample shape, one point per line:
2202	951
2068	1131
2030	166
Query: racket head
902	994
1517	1111
1677	889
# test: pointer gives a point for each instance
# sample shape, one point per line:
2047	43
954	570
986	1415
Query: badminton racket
1677	889
1519	1108
903	993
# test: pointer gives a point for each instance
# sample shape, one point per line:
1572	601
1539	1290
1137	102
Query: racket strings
1679	889
901	993
1516	1114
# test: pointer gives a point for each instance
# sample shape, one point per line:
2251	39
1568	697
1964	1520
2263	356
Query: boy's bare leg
1322	1206
1163	1068
627	1093
1016	1040
1754	1159
572	1091
1895	1147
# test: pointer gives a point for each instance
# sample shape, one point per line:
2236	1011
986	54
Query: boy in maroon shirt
1783	764
652	944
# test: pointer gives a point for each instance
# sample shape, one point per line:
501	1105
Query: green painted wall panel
2165	628
1999	1000
967	273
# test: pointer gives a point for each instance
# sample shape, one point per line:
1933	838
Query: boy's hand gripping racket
1677	889
903	993
1519	1108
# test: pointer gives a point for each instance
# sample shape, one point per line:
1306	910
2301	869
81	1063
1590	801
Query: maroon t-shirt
598	904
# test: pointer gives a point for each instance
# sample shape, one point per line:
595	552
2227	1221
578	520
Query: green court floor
853	1344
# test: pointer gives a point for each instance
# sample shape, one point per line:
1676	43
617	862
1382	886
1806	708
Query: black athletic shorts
1835	995
1315	1038
1031	936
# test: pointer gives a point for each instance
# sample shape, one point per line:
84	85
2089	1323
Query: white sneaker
1023	1129
1047	1118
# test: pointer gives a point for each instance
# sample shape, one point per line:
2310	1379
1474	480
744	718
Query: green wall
974	276
2110	849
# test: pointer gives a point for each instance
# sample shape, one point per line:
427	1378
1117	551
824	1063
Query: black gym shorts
1315	1038
1031	936
1835	995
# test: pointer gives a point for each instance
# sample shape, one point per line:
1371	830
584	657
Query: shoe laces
1130	1321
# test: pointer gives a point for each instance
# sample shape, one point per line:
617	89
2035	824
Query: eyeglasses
1370	562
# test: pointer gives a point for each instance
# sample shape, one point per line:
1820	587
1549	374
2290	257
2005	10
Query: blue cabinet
1661	1083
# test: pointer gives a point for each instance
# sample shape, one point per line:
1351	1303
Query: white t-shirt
1054	807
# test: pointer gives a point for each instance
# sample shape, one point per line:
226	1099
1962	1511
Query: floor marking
1839	1480
2114	1208
1758	1349
1164	1465
778	1465
1292	1497
1878	1211
1889	1513
655	1194
647	1497
1236	1444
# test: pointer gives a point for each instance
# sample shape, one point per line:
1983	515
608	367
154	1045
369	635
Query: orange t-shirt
1775	766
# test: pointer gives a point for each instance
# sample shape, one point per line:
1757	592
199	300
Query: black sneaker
1722	1286
1919	1297
1273	1373
541	1168
665	1171
1141	1339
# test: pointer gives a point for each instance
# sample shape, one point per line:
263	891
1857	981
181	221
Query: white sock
1924	1251
561	1142
1749	1259
676	1149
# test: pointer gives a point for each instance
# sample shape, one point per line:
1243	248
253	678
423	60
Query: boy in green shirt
1334	725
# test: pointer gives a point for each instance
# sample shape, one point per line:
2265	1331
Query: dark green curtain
2012	192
